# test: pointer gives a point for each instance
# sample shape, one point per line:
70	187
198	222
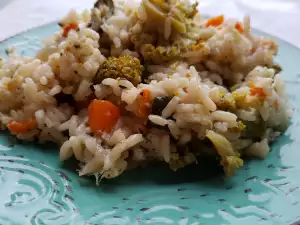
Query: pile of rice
225	92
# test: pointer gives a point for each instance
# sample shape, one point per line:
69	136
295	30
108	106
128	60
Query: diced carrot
144	102
19	127
67	28
216	21
239	27
102	115
258	92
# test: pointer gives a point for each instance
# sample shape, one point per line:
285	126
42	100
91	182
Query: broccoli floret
160	54
175	33
127	67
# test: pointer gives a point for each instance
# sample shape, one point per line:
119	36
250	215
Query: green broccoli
127	67
160	54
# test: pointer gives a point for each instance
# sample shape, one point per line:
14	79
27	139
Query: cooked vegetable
127	67
239	27
175	11
178	161
67	28
159	103
223	146
229	158
143	104
208	161
257	91
168	32
216	21
226	102
277	68
204	150
283	117
239	128
231	164
19	127
160	54
254	129
102	115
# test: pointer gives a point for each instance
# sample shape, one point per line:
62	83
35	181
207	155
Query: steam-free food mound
125	84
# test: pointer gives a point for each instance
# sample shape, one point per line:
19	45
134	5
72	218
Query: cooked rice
222	81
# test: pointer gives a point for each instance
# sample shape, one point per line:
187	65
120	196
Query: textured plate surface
35	188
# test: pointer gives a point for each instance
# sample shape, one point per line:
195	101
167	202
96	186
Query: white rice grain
167	28
39	116
113	84
93	165
125	145
117	137
185	137
66	151
129	96
170	108
174	129
158	120
76	143
55	90
223	116
258	149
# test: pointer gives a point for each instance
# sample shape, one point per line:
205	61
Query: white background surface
280	18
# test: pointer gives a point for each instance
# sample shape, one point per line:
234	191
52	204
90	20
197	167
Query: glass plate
35	188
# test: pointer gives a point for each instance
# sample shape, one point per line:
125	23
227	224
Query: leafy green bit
159	103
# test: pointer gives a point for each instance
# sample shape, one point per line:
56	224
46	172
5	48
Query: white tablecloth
276	17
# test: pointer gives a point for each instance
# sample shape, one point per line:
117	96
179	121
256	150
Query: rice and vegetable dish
127	84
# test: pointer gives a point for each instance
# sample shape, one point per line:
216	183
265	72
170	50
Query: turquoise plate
35	188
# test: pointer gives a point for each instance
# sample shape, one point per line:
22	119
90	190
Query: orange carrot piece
102	115
67	28
19	127
258	92
216	21
239	27
144	102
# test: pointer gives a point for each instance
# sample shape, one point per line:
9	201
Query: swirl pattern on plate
35	191
264	192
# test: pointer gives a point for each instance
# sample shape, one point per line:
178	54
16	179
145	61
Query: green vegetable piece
160	54
126	67
253	129
153	11
159	103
